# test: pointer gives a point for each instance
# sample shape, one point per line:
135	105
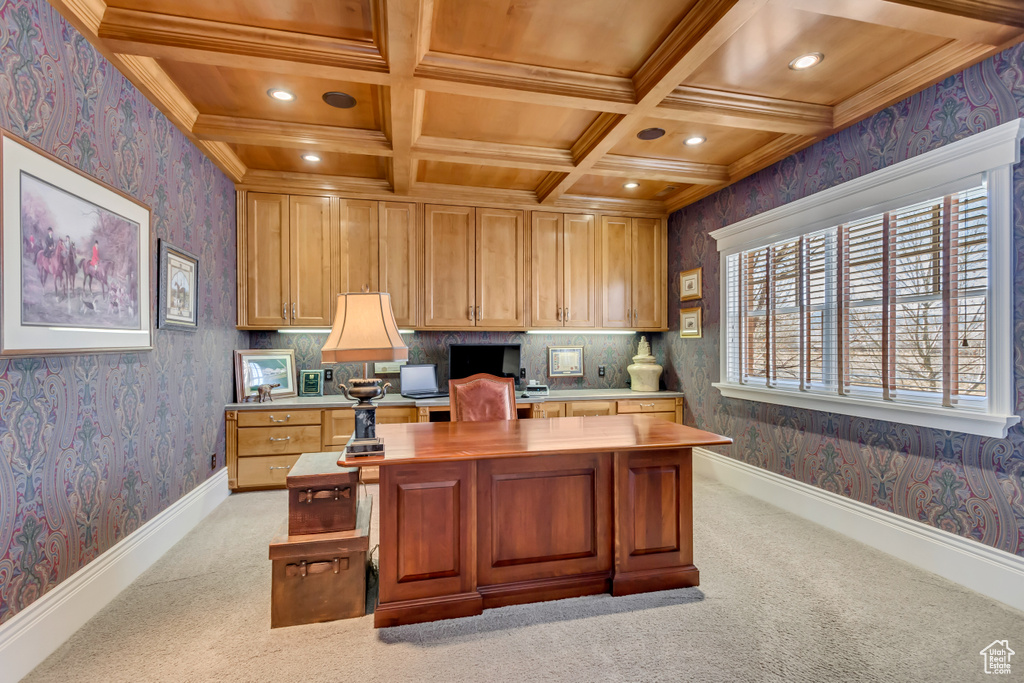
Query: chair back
482	397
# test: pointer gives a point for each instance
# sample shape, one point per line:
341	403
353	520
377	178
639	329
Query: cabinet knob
284	310
282	467
565	316
286	438
558	314
470	312
293	311
286	418
478	314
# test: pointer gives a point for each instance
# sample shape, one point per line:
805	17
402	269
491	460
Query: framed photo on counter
254	367
565	361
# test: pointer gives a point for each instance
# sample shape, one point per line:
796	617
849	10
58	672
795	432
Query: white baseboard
986	570
31	635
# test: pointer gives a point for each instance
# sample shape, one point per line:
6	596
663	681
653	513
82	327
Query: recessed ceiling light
341	100
311	157
694	140
631	186
651	133
282	95
806	61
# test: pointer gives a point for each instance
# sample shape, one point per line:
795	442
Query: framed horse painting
177	289
75	260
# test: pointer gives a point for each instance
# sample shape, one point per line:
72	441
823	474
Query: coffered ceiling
529	102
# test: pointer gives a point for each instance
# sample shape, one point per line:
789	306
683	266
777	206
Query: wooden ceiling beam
703	29
923	17
406	25
671	170
293	135
492	154
1007	12
926	71
137	32
752	112
283	181
477	77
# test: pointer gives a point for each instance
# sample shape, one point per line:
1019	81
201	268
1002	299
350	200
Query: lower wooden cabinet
265	471
585	408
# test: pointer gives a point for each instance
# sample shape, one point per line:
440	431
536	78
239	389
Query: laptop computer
420	381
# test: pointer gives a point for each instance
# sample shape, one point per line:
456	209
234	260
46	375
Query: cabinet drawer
668	417
338	426
278	440
275	418
649	405
265	470
583	408
549	410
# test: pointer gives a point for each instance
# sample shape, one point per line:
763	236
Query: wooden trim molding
700	105
297	135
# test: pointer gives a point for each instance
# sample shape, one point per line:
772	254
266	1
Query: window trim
988	156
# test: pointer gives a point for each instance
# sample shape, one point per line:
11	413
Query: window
898	307
890	306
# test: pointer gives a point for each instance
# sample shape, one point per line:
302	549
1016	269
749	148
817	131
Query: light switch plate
387	368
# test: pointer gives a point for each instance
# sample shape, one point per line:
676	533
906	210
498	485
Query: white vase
644	373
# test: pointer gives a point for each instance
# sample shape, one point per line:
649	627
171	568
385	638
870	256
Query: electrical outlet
328	375
522	373
213	461
600	371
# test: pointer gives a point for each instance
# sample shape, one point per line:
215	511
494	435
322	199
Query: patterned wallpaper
968	485
91	447
614	351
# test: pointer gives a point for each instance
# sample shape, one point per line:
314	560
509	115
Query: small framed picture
690	285
311	383
177	292
689	323
256	367
565	361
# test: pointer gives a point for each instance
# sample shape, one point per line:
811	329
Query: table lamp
364	331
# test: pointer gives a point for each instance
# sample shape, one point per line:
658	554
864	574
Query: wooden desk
485	514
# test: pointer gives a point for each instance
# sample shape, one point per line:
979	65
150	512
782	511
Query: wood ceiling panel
485	120
351	19
291	161
445	173
612	186
723	145
608	36
857	55
242	93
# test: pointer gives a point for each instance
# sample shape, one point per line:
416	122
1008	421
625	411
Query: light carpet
781	599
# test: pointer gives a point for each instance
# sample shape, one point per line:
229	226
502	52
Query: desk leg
427	543
653	522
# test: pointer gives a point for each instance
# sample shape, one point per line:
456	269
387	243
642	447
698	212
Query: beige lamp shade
364	331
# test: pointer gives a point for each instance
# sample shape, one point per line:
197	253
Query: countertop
338	401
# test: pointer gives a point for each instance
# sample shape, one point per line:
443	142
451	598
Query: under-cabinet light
571	331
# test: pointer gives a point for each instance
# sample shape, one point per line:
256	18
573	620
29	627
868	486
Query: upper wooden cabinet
634	273
287	261
398	240
474	266
563	268
448	267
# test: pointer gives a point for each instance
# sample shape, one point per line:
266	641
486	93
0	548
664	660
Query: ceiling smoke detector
341	100
651	133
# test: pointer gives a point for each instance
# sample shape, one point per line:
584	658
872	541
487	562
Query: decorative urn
645	372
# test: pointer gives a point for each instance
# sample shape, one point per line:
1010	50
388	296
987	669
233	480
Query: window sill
932	417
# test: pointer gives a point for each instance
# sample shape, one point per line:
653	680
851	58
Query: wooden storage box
320	577
321	495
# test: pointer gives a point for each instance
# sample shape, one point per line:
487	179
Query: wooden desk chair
482	397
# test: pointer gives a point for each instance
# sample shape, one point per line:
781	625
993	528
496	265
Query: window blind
891	306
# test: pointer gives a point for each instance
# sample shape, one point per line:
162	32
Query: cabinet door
449	273
546	269
579	245
397	259
266	260
649	277
356	262
500	268
310	261
616	248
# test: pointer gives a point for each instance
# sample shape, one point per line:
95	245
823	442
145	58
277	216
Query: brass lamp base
364	442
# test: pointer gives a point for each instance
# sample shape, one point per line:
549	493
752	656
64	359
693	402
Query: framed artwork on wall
76	260
690	323
311	383
565	361
273	368
177	289
690	284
